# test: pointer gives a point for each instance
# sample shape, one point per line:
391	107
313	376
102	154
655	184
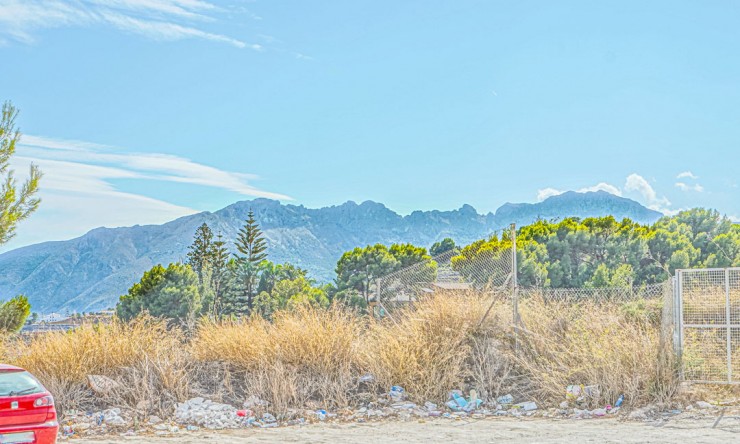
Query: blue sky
140	111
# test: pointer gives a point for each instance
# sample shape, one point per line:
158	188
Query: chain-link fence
600	294
709	324
450	272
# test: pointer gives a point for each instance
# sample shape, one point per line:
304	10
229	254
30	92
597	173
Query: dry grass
305	355
142	355
433	348
312	357
594	344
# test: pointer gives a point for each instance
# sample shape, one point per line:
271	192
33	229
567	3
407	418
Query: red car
27	413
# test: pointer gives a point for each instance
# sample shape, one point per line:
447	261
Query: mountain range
90	272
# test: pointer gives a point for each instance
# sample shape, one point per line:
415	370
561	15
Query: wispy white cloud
79	190
155	19
151	166
686	187
639	184
687	175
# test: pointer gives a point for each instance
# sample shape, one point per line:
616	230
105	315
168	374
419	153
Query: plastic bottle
619	401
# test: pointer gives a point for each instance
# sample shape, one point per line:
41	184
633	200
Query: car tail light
44	401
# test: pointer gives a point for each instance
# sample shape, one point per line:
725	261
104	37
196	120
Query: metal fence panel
709	304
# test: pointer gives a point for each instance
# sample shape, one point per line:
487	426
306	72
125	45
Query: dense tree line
572	253
601	252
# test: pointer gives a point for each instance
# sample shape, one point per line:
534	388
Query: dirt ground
492	430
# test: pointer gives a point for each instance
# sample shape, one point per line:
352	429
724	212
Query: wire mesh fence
700	308
447	273
709	335
601	294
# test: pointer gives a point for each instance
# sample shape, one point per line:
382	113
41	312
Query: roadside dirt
446	431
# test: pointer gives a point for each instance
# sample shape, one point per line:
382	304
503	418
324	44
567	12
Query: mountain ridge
90	272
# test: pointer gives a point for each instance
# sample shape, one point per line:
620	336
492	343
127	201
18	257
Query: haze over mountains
90	272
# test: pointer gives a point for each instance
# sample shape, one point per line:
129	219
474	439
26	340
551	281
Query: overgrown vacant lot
312	358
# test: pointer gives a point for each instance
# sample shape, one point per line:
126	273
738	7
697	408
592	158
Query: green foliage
201	252
358	269
602	252
290	293
16	204
444	246
13	314
171	293
252	250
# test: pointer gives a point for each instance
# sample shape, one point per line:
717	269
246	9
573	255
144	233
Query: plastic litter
527	406
458	403
268	418
397	393
505	400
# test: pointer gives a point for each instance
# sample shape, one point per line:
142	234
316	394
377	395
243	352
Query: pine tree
201	252
250	242
219	275
16	203
252	249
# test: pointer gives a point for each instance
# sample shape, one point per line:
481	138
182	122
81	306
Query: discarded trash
599	412
457	403
452	405
321	414
244	413
397	393
579	393
505	400
459	400
192	428
619	401
268	418
527	406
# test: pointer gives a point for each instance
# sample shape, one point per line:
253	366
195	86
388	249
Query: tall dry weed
433	349
593	344
305	355
121	351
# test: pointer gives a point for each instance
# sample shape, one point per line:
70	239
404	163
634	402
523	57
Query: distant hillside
90	272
